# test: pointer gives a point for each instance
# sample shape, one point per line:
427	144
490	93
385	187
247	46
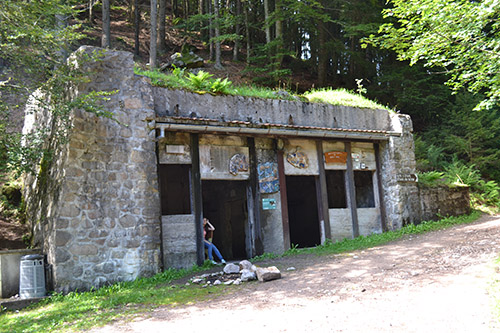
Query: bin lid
32	257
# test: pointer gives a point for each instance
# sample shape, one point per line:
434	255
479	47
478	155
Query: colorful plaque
336	157
268	177
298	159
268	204
238	163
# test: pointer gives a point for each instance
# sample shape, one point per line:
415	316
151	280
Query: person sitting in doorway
208	229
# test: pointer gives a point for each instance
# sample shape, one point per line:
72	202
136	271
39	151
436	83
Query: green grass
81	311
342	97
203	83
363	242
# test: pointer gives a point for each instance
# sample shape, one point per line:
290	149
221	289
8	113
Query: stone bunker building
126	198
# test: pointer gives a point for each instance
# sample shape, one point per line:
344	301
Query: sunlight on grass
81	311
342	97
204	83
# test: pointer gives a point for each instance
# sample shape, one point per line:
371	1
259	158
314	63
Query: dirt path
435	282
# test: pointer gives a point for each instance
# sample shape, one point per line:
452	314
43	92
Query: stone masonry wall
105	226
400	190
436	202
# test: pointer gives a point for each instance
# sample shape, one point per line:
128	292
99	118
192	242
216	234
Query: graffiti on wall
268	177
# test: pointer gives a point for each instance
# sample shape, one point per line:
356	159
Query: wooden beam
197	198
378	163
257	247
284	201
323	194
351	191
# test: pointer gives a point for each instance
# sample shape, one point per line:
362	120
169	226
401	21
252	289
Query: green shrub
431	178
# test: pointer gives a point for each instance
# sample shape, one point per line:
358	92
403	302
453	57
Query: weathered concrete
9	270
179	241
257	110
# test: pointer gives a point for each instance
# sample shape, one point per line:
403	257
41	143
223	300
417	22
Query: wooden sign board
336	157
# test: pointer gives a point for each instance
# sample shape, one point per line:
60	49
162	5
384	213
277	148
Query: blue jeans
211	247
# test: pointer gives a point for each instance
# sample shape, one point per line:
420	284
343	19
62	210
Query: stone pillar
398	175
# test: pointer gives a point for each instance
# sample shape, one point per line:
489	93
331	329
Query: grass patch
363	242
204	83
81	311
342	97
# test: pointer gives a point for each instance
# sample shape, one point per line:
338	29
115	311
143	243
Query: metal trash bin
31	276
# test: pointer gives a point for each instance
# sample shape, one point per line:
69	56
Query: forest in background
284	44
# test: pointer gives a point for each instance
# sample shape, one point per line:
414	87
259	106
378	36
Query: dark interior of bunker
225	205
303	211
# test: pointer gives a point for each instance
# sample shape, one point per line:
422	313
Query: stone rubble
235	274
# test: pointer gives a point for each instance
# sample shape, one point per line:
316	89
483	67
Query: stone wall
400	192
436	202
102	223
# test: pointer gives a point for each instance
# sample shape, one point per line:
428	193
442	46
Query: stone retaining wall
442	201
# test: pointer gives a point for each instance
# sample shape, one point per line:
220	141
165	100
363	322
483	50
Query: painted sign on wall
336	157
268	177
268	204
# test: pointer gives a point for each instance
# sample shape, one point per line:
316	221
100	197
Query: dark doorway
225	205
303	211
174	189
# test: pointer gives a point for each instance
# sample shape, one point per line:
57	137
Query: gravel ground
437	282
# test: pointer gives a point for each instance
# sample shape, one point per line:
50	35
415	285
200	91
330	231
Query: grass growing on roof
342	97
204	83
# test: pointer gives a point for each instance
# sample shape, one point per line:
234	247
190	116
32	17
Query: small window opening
363	181
335	185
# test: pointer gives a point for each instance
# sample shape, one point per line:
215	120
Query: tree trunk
266	24
137	23
174	8
201	10
162	15
152	40
210	30
237	31
106	29
91	11
61	23
247	32
279	22
322	54
218	64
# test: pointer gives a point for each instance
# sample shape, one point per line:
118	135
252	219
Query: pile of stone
236	274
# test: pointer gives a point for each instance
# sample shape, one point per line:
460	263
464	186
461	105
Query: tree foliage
460	37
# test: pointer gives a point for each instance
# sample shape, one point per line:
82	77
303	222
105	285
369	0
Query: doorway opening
225	205
303	211
175	189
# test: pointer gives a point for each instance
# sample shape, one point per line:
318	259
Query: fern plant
200	81
220	86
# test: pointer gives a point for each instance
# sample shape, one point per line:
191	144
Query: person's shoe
213	262
223	261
